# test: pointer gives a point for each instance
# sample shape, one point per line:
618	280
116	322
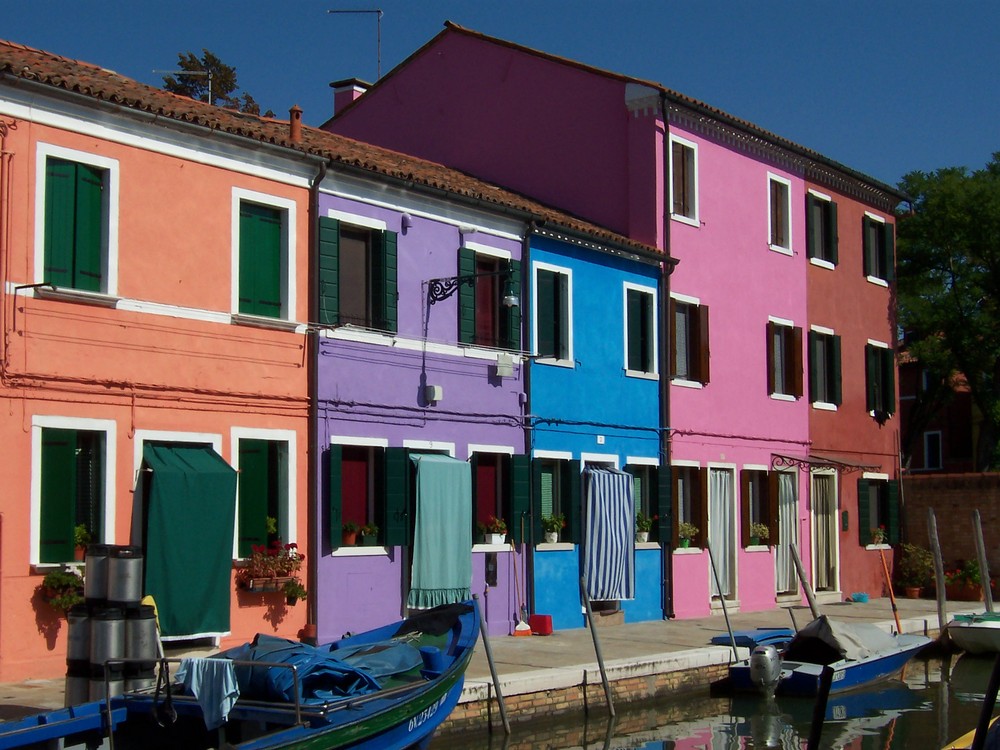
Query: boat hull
976	634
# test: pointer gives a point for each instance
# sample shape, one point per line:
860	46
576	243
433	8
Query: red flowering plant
275	561
879	535
492	525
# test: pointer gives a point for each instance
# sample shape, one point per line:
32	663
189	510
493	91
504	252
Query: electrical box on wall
844	526
433	393
505	365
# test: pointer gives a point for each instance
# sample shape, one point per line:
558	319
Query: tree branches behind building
224	86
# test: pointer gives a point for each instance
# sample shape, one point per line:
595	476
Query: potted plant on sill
913	569
552	525
349	534
759	533
62	589
879	535
369	534
494	530
643	525
293	591
269	567
686	532
81	538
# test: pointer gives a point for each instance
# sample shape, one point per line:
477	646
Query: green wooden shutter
397	473
254	481
329	269
510	317
832	234
864	523
58	501
814	224
813	349
89	228
871	377
466	297
260	260
384	293
60	208
571	499
834	376
892	527
537	506
771	380
335	494
664	505
545	314
888	252
520	497
888	380
634	325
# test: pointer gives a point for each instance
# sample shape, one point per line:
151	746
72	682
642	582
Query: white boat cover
824	641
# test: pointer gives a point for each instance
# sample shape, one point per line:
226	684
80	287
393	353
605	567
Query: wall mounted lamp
441	289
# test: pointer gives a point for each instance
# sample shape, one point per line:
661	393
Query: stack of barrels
112	624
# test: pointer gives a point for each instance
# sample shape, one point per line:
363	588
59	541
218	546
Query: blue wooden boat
777	637
385	689
859	654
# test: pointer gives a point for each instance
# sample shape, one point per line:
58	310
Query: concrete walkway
538	664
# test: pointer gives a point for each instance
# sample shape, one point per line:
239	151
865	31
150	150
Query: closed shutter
89	228
864	530
58	501
888	381
815	365
793	339
570	498
520	497
60	221
869	246
546	323
771	363
510	317
466	297
834	376
397	473
872	384
335	499
385	282
702	339
832	234
888	252
260	260
328	272
254	483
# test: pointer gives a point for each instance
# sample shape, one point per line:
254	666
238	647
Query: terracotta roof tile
24	63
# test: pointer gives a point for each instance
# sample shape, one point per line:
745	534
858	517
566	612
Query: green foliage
915	566
554	524
949	285
81	535
294	590
223	83
687	530
62	589
966	574
760	530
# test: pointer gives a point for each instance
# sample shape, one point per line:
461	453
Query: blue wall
557	588
648	602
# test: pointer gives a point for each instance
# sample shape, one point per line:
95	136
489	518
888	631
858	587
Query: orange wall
143	371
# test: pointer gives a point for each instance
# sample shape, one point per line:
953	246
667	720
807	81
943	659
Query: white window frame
820	262
568	360
876	280
694	220
684	299
110	429
654	372
111	209
287	525
789	249
288	208
823	331
784	323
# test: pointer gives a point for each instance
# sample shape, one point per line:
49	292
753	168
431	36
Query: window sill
555	547
491	547
75	565
687	551
824	406
67	294
820	263
877	281
647	545
640	375
783	397
373	551
878	546
757	548
783	250
259	321
687	384
556	362
689	220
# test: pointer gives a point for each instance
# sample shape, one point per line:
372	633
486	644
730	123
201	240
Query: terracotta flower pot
912	592
348	538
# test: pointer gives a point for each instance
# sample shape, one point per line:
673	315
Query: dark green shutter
335	494
60	207
635	325
813	349
888	381
892	526
871	377
520	497
864	514
254	483
510	317
545	314
832	234
536	500
58	501
329	269
260	260
867	248
571	501
397	472
466	297
89	228
664	505
385	282
834	376
888	252
814	239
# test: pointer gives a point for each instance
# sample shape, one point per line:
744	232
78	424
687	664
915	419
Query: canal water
932	702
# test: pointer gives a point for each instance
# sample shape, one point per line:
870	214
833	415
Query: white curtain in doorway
720	529
787	532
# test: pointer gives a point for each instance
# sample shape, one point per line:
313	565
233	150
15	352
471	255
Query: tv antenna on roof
378	39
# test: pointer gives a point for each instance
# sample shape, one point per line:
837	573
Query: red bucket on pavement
540	624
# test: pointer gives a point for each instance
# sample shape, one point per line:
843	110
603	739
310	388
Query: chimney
346	91
295	123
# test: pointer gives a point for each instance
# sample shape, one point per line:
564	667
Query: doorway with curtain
788	532
824	517
722	531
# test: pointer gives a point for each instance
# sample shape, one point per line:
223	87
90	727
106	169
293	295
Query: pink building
727	200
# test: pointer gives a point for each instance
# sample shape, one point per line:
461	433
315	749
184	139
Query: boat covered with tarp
387	688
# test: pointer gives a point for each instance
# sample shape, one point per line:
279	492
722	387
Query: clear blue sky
883	87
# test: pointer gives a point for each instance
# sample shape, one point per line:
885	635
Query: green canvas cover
442	536
190	514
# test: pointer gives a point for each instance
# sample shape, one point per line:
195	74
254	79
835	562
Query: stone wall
954	497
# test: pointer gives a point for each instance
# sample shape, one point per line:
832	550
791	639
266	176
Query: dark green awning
191	507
